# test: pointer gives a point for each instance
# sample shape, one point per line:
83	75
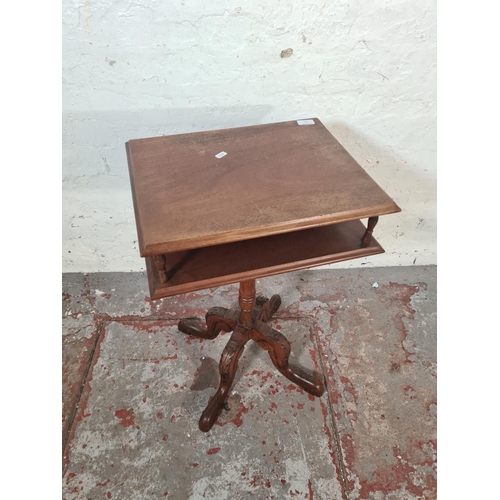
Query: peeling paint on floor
135	387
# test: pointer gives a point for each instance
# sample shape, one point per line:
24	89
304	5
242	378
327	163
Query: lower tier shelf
218	265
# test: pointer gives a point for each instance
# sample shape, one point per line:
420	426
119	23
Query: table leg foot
217	319
227	369
279	351
265	308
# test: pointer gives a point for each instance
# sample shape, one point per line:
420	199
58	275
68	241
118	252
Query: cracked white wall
366	68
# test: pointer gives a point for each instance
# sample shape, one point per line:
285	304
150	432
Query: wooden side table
233	205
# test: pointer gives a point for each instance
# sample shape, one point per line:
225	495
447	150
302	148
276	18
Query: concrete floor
134	388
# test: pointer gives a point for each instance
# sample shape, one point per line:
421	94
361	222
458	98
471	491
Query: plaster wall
143	68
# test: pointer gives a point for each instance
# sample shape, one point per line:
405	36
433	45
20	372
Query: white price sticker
305	122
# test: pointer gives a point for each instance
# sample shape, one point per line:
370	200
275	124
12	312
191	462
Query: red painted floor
134	388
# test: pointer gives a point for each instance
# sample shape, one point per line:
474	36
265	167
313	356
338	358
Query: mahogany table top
273	179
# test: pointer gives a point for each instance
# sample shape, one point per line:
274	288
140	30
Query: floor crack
336	437
74	410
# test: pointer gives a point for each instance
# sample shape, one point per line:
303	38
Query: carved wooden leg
218	319
367	237
279	351
227	368
265	308
260	301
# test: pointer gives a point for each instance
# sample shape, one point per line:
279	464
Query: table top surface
273	179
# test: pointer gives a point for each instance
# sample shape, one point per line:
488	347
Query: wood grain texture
274	179
232	262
